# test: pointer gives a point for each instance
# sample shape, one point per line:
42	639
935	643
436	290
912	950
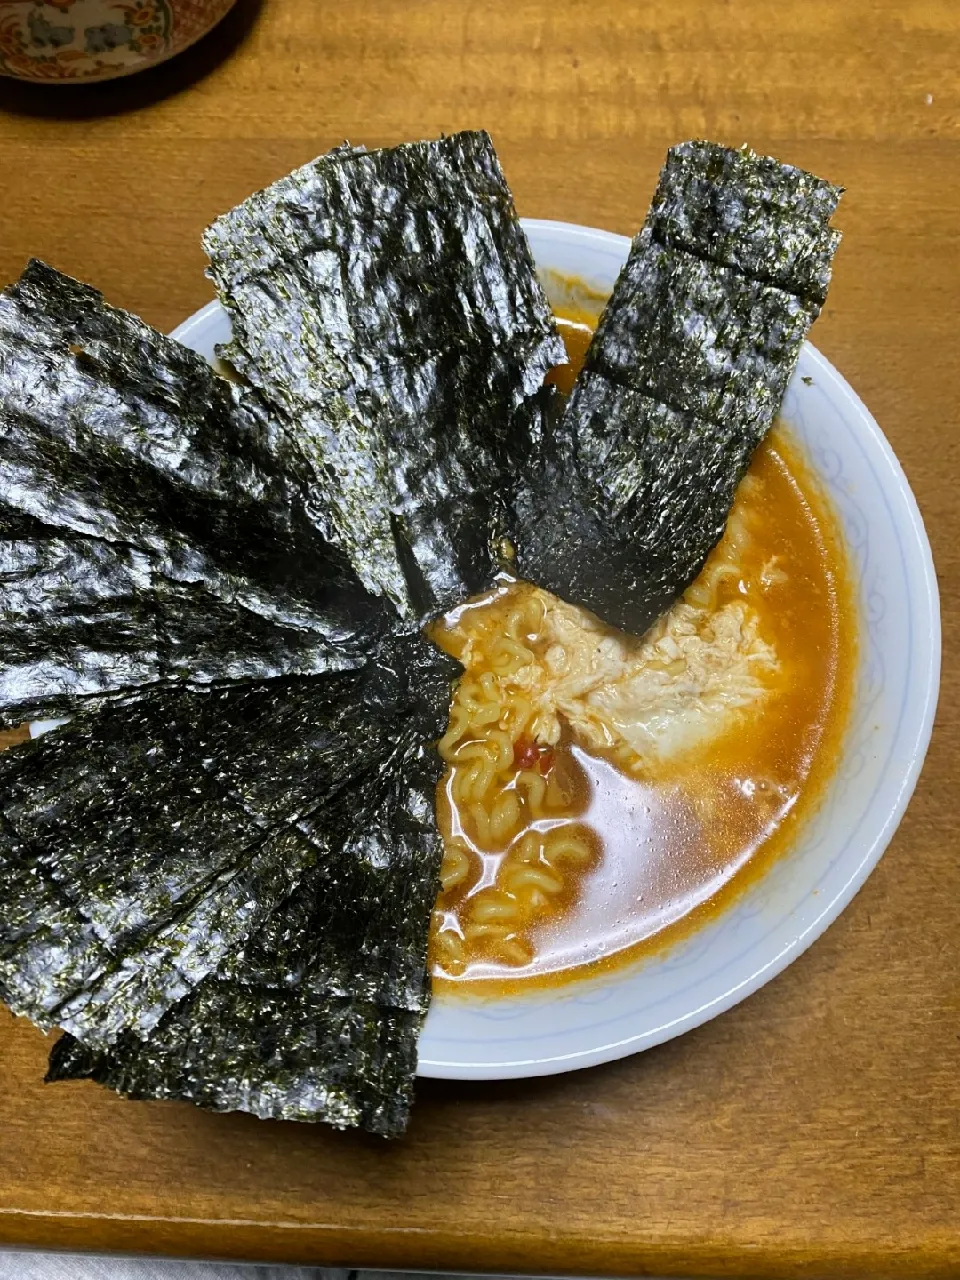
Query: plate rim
929	624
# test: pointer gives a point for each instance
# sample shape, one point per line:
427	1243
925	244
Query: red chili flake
526	753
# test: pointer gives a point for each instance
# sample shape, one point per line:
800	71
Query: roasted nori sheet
386	303
153	523
195	880
631	484
278	1052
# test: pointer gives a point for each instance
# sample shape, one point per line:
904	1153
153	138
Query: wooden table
814	1130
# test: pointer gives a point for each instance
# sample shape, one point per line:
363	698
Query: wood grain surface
815	1129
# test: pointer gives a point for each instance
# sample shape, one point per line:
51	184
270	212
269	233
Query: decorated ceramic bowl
74	41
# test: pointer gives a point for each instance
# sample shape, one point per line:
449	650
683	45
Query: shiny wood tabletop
813	1130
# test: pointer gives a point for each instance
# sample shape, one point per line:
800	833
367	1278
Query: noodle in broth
602	791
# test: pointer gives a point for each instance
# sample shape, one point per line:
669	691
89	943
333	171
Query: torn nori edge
386	304
277	1052
153	524
632	485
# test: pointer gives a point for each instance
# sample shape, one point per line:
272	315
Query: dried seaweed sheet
153	525
633	483
386	304
86	619
281	1036
277	1052
128	827
768	220
180	862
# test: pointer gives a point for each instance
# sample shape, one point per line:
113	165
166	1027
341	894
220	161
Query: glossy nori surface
768	220
631	485
170	863
235	885
277	1052
386	303
153	525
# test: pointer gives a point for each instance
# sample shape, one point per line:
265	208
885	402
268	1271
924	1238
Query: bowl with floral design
79	41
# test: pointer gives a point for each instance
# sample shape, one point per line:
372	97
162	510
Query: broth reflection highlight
604	791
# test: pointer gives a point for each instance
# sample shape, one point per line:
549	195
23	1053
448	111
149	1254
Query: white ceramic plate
782	914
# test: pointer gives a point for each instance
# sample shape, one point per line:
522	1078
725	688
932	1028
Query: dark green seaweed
144	842
387	306
174	864
322	1020
87	619
153	526
278	1053
768	220
631	486
306	1028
